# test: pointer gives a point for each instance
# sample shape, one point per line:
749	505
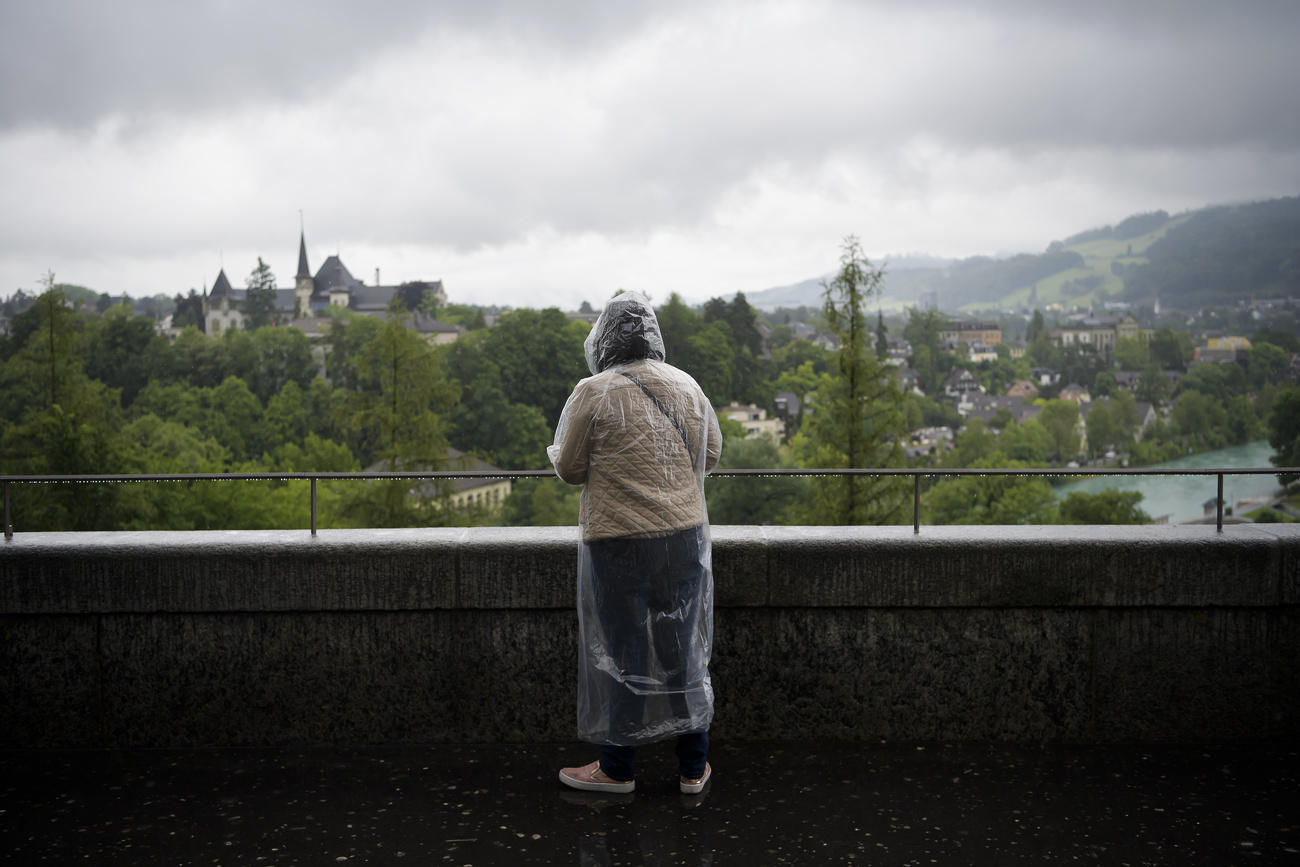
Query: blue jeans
654	583
692	755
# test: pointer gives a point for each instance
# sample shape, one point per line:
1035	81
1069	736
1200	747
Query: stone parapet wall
1028	634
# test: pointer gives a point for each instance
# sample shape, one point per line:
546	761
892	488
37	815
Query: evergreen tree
856	418
259	302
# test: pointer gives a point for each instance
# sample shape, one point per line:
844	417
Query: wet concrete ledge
1161	634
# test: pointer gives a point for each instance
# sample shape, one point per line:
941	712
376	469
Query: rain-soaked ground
767	804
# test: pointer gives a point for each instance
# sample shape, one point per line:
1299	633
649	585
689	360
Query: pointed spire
221	286
303	270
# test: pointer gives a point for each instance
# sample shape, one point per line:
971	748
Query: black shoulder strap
668	415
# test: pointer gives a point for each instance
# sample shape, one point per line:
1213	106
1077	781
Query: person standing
639	435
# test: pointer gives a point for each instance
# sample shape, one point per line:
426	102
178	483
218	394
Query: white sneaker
694	787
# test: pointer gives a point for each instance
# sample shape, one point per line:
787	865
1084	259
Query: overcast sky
537	153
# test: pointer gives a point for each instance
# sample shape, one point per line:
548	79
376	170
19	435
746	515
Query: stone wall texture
1011	634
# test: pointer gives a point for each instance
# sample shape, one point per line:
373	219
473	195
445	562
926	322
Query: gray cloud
145	128
68	63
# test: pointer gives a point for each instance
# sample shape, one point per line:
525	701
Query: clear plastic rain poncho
639	435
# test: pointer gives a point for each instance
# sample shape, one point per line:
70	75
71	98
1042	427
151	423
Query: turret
303	285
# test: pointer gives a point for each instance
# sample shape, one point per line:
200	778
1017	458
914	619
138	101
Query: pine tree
259	303
855	417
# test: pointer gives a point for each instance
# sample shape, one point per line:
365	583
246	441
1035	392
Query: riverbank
1177	499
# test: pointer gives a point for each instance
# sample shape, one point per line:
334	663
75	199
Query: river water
1182	498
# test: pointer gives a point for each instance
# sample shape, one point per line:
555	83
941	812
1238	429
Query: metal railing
915	473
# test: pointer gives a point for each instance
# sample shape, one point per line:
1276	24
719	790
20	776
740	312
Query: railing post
916	504
9	528
1218	506
313	505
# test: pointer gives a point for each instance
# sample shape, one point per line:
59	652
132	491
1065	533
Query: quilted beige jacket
642	471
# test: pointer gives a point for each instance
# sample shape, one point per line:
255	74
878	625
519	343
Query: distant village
314	299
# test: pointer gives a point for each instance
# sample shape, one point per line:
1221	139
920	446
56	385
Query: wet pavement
767	804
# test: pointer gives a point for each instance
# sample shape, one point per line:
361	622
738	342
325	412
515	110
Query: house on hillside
1218	349
959	382
897	350
332	285
1100	333
787	404
1075	394
754	420
981	351
1023	389
483	494
970	333
987	406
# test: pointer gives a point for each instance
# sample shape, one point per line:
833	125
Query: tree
991	499
125	352
198	359
712	361
1037	327
259	301
975	443
1124	412
286	419
1102	430
403	390
540	357
678	324
1028	442
1060	419
1104	385
751	499
508	435
267	358
1220	381
235	419
922	333
1199	421
857	419
1171	349
882	338
1106	507
1266	363
188	311
1153	386
1132	353
1284	432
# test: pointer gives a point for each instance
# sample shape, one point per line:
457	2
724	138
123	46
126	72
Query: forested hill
1223	254
1216	255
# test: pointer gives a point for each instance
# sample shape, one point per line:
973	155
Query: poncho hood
626	330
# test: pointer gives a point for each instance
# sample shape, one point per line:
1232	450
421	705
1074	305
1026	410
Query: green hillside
1097	281
1214	256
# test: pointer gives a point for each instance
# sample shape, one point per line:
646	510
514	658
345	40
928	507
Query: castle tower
303	284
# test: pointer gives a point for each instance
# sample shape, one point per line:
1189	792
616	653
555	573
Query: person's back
647	432
639	435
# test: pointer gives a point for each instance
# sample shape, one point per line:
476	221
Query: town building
897	350
959	382
981	351
987	406
312	295
1218	349
928	441
755	421
1100	333
970	333
1022	388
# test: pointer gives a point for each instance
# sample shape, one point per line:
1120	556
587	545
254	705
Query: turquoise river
1182	498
